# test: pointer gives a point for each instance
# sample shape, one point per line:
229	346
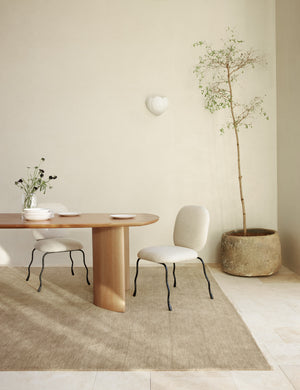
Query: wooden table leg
109	268
127	269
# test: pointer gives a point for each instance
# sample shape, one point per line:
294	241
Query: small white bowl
37	214
38	217
35	210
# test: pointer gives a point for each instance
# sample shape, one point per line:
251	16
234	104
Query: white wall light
157	104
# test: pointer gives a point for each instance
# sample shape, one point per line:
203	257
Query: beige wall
288	66
74	78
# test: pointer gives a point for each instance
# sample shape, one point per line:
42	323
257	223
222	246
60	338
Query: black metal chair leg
136	275
87	271
28	275
168	299
209	290
174	284
40	287
72	270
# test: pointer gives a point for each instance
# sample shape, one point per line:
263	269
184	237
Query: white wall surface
288	65
74	77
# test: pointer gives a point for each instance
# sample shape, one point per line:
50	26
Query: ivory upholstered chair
190	235
55	241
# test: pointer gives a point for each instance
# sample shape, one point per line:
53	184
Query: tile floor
269	306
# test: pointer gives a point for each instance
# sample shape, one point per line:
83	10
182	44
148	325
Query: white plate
35	211
39	213
123	216
69	214
37	217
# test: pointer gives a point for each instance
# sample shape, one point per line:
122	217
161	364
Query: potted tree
245	252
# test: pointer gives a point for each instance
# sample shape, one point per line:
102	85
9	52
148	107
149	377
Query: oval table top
93	220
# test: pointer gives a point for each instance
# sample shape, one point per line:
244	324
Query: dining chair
189	236
50	241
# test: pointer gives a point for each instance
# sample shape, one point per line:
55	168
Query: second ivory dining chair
190	235
55	241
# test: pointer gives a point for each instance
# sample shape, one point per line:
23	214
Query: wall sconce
157	104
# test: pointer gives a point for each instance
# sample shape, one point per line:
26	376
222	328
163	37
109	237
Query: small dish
123	216
35	210
69	214
37	217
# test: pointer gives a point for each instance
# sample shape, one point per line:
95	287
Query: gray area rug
60	329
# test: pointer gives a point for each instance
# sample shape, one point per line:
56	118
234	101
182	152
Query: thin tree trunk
238	153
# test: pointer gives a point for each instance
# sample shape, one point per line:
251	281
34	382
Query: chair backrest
40	234
191	227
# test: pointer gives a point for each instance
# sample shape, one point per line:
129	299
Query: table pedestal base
111	267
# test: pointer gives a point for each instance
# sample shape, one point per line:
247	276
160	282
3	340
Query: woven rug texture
60	328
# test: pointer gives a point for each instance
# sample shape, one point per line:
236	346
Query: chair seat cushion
167	254
57	245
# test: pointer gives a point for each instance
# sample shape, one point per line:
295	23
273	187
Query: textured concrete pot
257	254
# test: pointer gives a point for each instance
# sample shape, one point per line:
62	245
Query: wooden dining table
110	238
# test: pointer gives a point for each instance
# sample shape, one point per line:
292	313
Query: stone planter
257	254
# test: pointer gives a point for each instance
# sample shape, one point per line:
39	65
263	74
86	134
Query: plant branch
235	125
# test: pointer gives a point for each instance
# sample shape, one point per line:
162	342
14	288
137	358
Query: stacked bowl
37	214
